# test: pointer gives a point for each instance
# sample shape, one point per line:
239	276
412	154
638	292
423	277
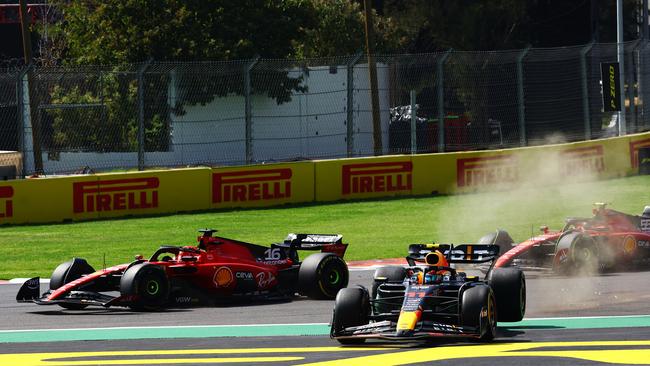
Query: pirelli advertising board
363	178
104	195
154	192
262	185
636	143
535	166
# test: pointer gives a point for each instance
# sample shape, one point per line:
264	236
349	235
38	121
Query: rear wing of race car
327	243
462	253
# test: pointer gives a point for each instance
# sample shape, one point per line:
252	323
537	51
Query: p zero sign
610	77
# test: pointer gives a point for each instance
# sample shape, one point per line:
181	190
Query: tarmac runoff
275	330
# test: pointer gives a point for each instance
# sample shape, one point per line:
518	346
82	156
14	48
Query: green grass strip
58	335
274	330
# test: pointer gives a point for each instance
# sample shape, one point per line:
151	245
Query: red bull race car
431	299
216	269
607	241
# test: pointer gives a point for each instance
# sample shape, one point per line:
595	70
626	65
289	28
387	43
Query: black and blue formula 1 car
430	298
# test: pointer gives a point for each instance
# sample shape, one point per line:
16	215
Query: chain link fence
162	114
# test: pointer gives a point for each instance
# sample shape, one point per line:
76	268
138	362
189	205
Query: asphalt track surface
602	337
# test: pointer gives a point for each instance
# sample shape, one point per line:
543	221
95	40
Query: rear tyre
148	283
67	272
351	309
509	286
322	275
383	275
479	310
500	238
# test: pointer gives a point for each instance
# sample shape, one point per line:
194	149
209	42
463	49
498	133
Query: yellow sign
262	185
363	178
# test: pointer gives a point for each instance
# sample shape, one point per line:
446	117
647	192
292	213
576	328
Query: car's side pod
30	290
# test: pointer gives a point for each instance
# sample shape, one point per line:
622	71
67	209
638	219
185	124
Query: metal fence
160	114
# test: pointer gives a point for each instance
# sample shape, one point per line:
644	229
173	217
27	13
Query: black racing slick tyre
509	286
322	275
67	272
351	309
148	284
479	310
584	255
500	238
387	274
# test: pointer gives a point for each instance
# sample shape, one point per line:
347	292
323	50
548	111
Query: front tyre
149	285
509	286
351	309
479	310
322	275
67	272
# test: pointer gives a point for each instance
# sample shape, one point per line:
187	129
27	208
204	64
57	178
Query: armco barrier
169	191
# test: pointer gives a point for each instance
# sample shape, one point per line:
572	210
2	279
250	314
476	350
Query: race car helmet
436	258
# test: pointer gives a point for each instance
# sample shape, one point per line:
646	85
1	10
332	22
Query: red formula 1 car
216	269
608	240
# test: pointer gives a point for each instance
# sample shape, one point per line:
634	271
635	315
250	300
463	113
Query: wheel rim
153	287
334	277
586	254
492	322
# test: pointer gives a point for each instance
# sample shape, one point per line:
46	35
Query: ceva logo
251	185
582	160
115	195
486	170
6	210
377	177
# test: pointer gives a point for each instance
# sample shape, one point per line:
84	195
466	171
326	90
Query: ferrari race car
431	299
608	240
216	269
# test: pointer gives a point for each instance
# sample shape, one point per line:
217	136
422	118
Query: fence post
640	76
22	117
520	96
441	100
350	103
414	125
585	89
141	129
631	90
247	106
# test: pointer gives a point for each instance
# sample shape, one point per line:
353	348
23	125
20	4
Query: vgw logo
6	210
251	185
114	195
377	177
488	170
582	160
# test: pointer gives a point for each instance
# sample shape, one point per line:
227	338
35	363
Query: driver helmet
436	258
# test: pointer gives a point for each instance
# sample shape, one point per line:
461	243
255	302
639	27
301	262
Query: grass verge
374	229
